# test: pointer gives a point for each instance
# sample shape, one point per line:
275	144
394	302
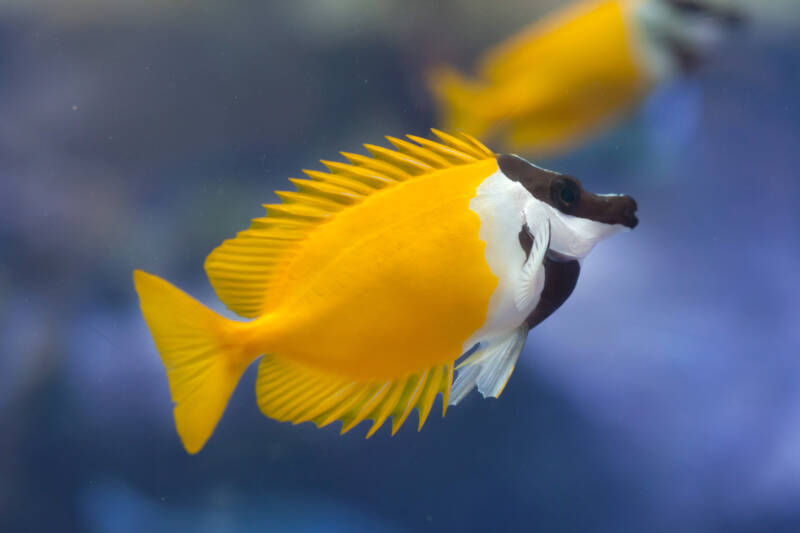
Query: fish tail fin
461	102
201	351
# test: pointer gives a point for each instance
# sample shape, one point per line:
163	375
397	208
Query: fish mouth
628	216
631	222
609	209
729	16
623	211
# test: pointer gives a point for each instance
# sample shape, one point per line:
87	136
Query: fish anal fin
293	392
411	394
385	408
428	395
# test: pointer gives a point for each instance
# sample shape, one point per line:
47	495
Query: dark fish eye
697	8
688	6
565	194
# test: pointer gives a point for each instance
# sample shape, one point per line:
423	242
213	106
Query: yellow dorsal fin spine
243	270
339	181
460	145
427	156
305	213
291	392
276	233
259	238
325	190
320	202
366	176
451	154
376	164
475	143
413	166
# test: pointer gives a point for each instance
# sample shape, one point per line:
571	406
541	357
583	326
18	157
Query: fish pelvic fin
293	392
490	367
204	355
461	102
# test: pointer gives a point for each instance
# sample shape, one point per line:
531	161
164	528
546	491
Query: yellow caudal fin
197	346
461	102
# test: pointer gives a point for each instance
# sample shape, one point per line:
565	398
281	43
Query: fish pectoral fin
293	392
490	366
532	277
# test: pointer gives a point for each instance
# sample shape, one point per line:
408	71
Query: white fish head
578	218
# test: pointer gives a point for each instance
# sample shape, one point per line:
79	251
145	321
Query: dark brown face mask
566	194
689	58
728	16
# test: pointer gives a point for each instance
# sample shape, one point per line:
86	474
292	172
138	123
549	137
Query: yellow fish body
567	76
367	283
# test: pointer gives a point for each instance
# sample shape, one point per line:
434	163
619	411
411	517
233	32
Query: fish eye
689	6
565	194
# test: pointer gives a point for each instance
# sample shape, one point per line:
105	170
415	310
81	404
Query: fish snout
627	211
608	209
728	16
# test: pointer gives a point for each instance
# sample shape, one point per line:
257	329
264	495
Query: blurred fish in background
553	85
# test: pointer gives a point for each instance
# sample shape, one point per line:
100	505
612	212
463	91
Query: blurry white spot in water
112	507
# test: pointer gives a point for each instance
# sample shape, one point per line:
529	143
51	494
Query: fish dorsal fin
242	269
292	392
490	366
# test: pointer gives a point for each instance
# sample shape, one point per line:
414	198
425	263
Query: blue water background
663	396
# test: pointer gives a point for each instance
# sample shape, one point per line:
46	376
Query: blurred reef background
664	396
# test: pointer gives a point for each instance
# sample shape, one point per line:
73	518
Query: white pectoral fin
532	276
490	366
